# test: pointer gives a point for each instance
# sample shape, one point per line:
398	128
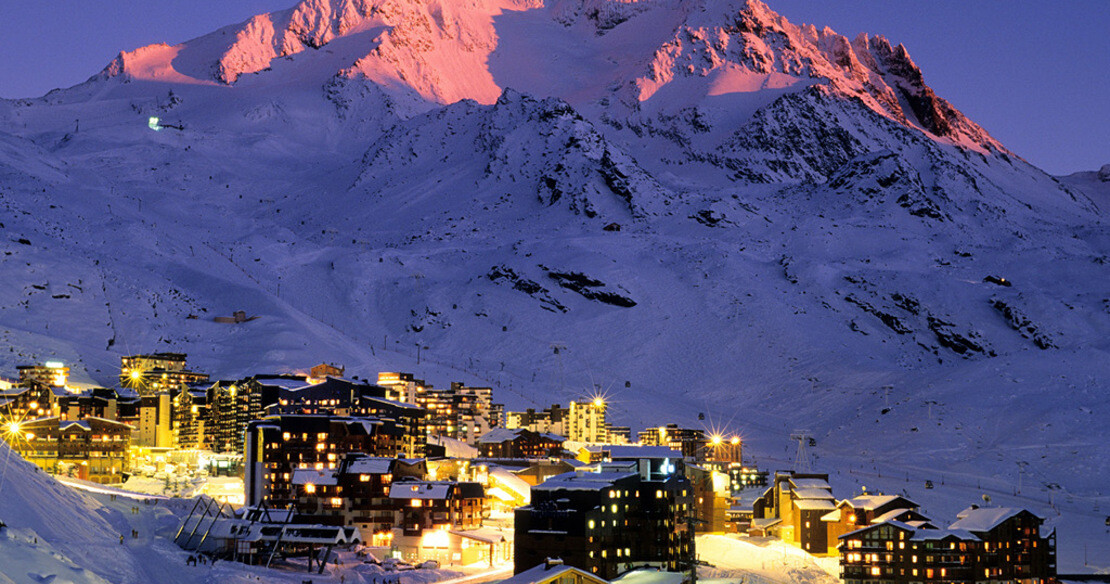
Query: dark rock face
589	288
886	176
507	276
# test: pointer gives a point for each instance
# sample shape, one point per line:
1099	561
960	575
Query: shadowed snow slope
714	211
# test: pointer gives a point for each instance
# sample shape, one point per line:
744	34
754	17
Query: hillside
802	222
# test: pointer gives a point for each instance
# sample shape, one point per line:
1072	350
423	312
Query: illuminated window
877	571
310	488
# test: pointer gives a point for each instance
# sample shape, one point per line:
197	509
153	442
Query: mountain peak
442	52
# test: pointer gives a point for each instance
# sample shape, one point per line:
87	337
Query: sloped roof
582	481
810	484
939	534
484	534
427	490
651	576
499	435
893	514
813	494
544	573
311	476
869	502
985	518
765	522
637	452
814	504
374	465
284	383
895	524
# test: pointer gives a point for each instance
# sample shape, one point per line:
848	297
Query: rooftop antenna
801	459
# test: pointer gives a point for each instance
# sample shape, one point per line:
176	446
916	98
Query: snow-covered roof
869	502
810	484
833	515
637	452
428	490
814	504
889	515
311	476
287	384
582	481
984	518
765	522
813	494
484	534
370	466
938	534
545	573
895	524
651	576
396	404
499	435
67	424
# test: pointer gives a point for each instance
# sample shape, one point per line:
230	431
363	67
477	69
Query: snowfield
716	212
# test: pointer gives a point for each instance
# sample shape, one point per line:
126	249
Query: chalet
430	515
519	443
791	509
92	449
607	519
985	546
858	512
1013	550
278	445
354	494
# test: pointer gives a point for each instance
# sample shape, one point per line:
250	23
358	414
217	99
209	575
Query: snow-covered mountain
705	208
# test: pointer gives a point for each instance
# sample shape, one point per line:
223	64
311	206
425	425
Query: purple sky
1036	75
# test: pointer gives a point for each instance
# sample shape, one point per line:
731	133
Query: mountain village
412	476
550	292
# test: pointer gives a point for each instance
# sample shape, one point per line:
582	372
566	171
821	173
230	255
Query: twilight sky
1035	74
